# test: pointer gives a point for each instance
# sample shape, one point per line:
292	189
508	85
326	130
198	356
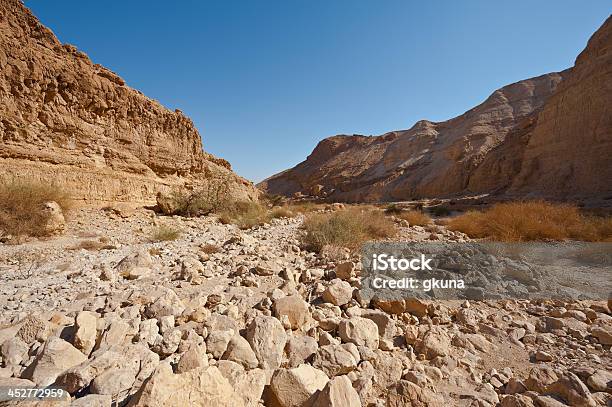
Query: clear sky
265	80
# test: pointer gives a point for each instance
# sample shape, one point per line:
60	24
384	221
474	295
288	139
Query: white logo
384	262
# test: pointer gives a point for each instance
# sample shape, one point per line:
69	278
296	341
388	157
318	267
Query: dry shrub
440	210
346	228
213	197
394	209
21	207
281	212
274	200
305	207
244	214
210	248
165	234
93	245
415	218
155	251
532	220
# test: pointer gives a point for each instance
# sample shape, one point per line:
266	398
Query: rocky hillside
548	137
66	120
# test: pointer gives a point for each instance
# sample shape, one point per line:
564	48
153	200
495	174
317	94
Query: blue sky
265	80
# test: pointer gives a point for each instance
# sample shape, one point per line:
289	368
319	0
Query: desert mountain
546	137
66	120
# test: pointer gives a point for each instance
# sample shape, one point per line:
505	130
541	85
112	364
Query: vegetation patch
281	212
305	207
414	217
213	197
21	207
346	228
93	245
244	214
532	220
210	248
165	234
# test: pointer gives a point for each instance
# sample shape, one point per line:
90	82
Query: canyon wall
67	121
545	137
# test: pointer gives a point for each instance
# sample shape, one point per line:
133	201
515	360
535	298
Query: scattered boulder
338	292
338	392
267	339
239	351
198	387
435	342
57	356
299	349
601	380
248	385
298	386
113	382
294	308
405	393
86	332
93	400
571	388
194	358
334	360
14	351
55	222
359	331
217	341
135	265
166	304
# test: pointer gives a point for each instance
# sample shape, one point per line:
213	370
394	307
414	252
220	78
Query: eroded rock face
548	137
78	124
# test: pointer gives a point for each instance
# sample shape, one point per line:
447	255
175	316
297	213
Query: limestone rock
194	358
113	382
338	292
86	332
359	331
239	351
267	339
295	387
93	400
135	265
248	385
197	387
335	360
571	388
14	351
56	357
435	342
299	349
217	341
294	307
405	393
167	304
338	392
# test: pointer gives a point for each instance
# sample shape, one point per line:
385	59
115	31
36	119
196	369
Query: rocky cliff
68	121
547	137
